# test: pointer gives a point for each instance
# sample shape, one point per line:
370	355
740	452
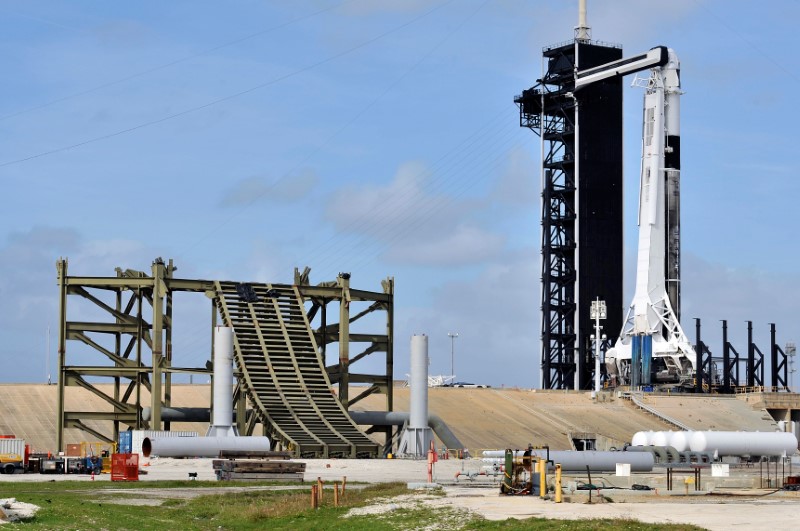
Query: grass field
76	505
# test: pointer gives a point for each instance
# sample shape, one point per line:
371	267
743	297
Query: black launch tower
582	253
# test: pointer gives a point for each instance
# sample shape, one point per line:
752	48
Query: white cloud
377	208
289	188
410	222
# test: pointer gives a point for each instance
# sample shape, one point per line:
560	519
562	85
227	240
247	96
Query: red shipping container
124	467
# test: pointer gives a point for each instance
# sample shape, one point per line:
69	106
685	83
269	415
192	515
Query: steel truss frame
549	111
140	323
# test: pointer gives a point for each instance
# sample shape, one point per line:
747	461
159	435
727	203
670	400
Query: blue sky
379	138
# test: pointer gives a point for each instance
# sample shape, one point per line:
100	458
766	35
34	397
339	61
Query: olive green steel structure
123	341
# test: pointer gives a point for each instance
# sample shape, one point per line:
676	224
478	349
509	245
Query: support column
698	350
751	356
726	359
168	344
389	289
159	290
118	352
61	268
344	339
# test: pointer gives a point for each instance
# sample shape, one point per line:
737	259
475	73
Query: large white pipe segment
596	461
419	382
221	425
417	436
201	446
744	443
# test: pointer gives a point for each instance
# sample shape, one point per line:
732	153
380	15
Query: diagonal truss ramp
283	372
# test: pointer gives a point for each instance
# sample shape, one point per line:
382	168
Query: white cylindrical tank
661	438
642	438
201	446
419	382
680	440
744	443
223	376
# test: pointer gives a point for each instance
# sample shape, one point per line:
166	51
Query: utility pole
452	336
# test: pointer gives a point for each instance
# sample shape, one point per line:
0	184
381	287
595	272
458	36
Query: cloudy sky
246	138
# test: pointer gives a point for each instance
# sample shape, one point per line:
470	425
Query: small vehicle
10	462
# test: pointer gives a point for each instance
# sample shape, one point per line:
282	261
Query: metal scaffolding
131	343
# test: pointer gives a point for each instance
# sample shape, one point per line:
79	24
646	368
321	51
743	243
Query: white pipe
398	418
419	382
223	383
223	375
201	446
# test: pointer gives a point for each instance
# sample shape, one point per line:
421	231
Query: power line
230	96
339	131
173	63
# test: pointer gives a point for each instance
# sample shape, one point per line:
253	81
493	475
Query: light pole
452	336
597	312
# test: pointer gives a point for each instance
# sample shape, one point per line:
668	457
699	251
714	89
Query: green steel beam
81	426
104	328
335	293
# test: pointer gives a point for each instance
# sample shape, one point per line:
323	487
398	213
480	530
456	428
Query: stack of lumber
258	466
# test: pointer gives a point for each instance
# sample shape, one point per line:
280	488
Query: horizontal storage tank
744	443
661	438
202	446
642	438
680	440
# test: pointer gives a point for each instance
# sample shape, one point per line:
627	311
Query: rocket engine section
652	346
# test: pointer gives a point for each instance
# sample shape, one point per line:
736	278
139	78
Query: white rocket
652	345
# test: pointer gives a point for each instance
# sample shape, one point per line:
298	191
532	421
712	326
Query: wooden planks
259	470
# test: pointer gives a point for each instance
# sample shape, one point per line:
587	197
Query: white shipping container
12	446
138	437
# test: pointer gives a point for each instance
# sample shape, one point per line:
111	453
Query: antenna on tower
582	31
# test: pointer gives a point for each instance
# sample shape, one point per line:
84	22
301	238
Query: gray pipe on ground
596	461
398	418
201	446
